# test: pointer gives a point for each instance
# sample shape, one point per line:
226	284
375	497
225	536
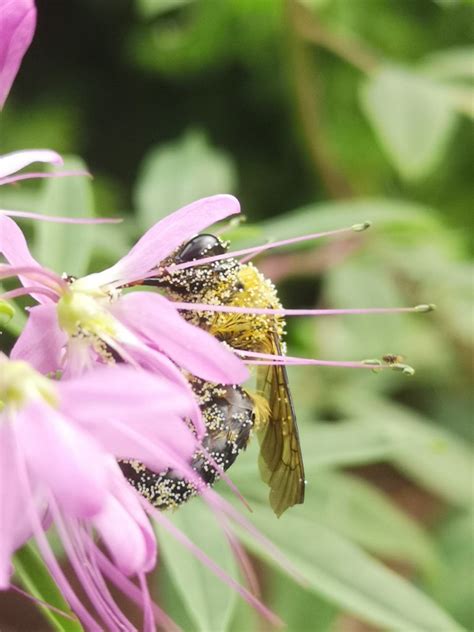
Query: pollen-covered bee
230	413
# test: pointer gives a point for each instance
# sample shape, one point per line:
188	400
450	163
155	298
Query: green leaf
432	456
344	503
178	173
343	574
245	618
359	511
154	8
210	602
360	283
33	574
412	116
346	444
293	604
452	63
452	585
342	444
66	247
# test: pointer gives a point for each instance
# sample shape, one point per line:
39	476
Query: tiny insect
391	358
230	413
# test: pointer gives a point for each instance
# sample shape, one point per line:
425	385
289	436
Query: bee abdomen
229	417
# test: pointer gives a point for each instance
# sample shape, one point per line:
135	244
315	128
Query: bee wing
280	460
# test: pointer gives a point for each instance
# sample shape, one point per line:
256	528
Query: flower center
20	383
84	313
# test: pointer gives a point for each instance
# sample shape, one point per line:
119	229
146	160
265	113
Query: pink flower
17	26
59	442
79	323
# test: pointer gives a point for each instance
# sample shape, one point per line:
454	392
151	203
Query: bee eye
200	247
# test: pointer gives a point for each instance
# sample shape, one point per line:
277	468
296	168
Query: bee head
199	247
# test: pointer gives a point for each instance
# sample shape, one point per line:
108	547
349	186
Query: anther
425	308
406	369
358	228
372	362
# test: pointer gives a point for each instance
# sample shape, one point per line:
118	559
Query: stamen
43	604
178	535
128	588
222	507
243	559
252	255
425	308
81	569
59	219
34	273
34	289
40	174
83	537
232	309
281	360
227	480
45	548
275	244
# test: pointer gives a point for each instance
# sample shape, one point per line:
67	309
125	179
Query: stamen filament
269	359
39	174
34	273
128	588
22	291
59	219
268	246
45	548
178	535
43	604
232	309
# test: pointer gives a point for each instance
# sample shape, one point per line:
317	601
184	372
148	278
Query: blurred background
317	114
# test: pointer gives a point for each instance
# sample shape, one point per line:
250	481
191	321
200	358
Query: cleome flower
87	322
59	442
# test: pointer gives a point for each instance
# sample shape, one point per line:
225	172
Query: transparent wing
280	461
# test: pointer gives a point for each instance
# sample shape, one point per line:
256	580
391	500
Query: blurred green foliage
318	114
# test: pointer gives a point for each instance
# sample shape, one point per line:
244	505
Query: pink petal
17	26
118	391
14	527
14	248
132	414
156	362
126	530
13	244
166	235
155	318
11	163
63	459
122	536
41	342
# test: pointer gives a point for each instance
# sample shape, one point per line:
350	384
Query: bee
228	414
231	413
